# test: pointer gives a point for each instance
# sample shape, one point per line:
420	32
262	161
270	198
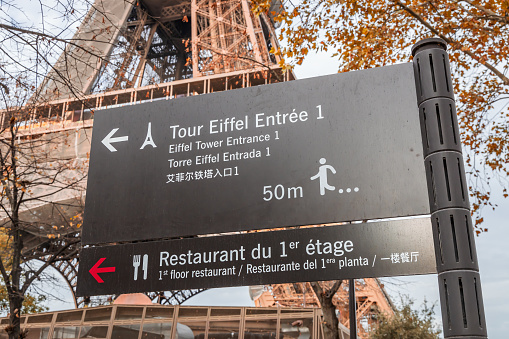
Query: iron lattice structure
370	296
174	40
149	42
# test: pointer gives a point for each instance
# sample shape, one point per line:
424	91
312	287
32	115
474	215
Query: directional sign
336	148
318	253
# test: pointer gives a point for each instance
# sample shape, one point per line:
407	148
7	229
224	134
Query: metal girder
174	297
175	12
77	67
133	46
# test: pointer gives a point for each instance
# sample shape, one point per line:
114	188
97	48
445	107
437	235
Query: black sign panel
335	148
364	250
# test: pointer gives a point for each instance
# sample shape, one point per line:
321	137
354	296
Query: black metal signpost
352	308
332	149
458	271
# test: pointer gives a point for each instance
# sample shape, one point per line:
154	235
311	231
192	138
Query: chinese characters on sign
202	175
397	258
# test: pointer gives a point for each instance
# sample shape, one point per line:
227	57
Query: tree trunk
330	320
15	304
16	296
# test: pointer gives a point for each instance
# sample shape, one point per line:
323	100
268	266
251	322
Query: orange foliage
371	33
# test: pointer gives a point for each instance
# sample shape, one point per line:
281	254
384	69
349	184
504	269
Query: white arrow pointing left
108	140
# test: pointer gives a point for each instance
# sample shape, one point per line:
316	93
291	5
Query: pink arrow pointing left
96	269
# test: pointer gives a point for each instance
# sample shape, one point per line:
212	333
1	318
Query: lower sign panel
377	249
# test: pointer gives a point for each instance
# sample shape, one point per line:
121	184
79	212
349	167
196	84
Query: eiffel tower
128	52
131	52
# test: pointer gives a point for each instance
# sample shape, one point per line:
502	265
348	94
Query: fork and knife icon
136	264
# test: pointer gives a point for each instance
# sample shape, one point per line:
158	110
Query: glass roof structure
157	322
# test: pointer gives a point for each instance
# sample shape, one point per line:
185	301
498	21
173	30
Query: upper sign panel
335	148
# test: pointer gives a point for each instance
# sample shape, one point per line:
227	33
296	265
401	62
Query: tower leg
194	38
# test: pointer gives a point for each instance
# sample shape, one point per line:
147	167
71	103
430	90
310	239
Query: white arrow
108	140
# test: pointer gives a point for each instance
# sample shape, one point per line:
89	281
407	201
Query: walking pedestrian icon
322	175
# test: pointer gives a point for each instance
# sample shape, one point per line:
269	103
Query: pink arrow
95	270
